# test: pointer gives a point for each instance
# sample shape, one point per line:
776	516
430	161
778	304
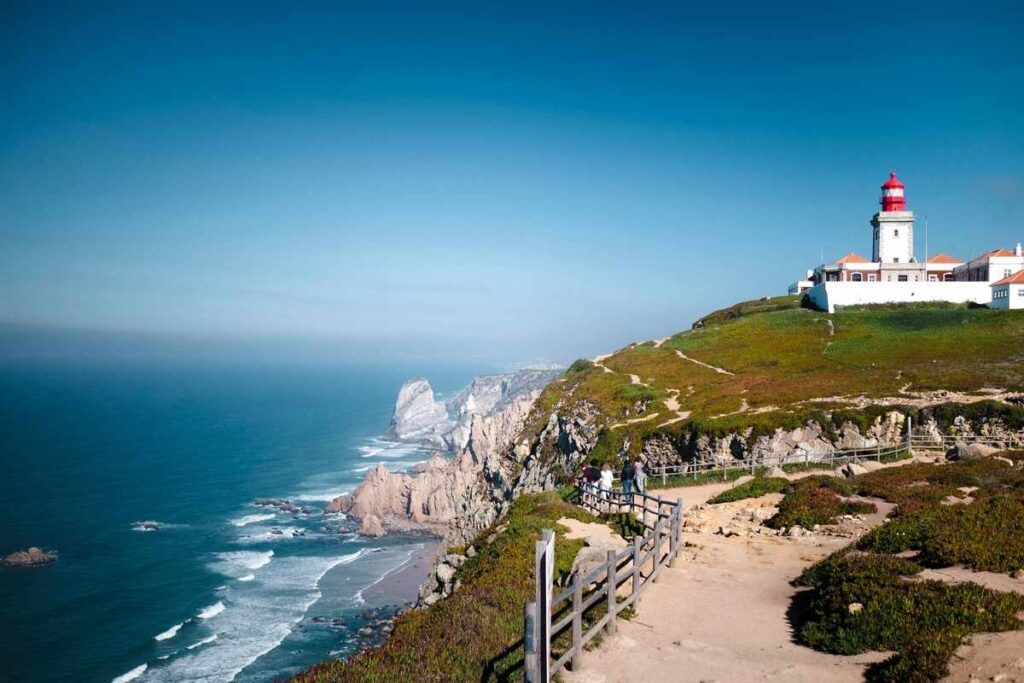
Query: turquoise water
91	451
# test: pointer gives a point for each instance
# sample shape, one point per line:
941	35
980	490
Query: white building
1008	292
894	275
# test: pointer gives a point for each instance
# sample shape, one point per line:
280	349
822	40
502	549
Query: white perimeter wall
828	295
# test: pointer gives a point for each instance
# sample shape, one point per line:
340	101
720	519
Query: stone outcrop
418	417
455	496
33	557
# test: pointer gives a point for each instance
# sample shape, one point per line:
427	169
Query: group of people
633	477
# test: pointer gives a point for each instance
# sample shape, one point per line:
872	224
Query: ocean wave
260	617
204	641
169	633
281	533
238	563
322	496
131	675
247	577
211	611
388	449
358	597
249	519
153	525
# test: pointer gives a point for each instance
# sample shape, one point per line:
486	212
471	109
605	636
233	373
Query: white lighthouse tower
894	225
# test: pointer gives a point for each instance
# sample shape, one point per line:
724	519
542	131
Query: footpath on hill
723	612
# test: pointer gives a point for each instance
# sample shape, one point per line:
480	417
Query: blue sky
504	182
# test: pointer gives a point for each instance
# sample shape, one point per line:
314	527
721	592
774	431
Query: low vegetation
815	500
762	365
475	634
865	597
866	602
755	488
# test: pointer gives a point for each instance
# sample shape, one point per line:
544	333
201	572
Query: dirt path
721	371
721	613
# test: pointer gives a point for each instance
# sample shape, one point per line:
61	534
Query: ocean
145	478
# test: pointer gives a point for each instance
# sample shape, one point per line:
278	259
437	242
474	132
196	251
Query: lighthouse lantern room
893	226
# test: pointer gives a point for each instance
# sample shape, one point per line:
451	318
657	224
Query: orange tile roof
853	258
944	258
1015	279
994	252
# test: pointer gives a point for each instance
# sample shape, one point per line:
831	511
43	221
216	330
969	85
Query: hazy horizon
516	184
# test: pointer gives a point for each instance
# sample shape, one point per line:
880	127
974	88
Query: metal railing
557	626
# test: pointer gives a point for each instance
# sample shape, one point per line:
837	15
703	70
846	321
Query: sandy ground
721	614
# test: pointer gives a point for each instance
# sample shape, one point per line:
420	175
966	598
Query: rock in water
418	417
32	557
372	526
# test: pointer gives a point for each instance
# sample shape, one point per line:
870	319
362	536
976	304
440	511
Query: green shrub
923	621
986	535
813	501
755	488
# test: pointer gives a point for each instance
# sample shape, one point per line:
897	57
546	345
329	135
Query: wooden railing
944	443
558	625
736	466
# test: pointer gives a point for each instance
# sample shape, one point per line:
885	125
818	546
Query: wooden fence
557	626
945	443
753	463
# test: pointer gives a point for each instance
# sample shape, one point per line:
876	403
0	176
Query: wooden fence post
673	540
530	643
577	620
636	572
656	552
610	586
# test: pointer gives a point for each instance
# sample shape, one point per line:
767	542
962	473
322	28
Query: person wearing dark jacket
628	475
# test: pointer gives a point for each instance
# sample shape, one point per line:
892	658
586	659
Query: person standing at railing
591	476
606	482
641	476
628	476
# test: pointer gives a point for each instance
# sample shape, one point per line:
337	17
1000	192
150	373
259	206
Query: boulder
372	527
33	557
776	473
742	480
970	451
852	469
445	573
854	608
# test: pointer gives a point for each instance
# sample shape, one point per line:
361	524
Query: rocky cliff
478	426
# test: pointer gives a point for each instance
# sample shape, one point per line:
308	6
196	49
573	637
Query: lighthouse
893	226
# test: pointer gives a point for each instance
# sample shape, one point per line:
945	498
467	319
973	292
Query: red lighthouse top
892	194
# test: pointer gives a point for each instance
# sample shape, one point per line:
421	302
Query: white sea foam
259	618
238	563
169	633
249	519
321	496
247	577
211	611
358	597
131	675
280	533
204	641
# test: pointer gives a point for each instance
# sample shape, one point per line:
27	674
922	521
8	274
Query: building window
933	278
1007	272
1020	292
901	278
857	277
896	233
872	278
948	277
832	277
895	260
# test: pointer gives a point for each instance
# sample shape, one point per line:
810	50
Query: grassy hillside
759	363
476	633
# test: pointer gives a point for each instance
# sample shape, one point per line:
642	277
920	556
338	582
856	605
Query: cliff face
478	425
420	418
